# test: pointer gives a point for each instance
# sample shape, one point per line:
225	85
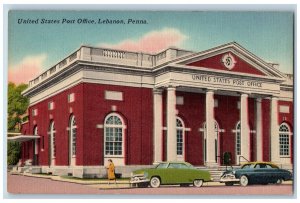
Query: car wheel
229	183
198	183
279	181
244	181
155	182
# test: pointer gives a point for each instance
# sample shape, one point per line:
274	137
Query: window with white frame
52	140
72	134
238	139
180	136
284	140
35	130
113	135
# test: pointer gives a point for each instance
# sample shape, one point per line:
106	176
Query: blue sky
268	35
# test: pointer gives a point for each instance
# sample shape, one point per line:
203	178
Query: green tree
13	153
17	106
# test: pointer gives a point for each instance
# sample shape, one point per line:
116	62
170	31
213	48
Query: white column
171	124
259	147
157	111
210	128
274	130
245	130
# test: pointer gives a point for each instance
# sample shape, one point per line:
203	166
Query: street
18	184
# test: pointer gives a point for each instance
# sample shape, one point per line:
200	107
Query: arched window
113	135
52	148
238	139
35	142
73	132
180	136
35	130
284	140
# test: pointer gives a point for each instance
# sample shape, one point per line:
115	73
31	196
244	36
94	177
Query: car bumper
228	178
138	179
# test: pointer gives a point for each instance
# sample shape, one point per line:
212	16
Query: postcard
151	102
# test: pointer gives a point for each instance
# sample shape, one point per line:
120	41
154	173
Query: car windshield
162	165
174	165
247	166
178	165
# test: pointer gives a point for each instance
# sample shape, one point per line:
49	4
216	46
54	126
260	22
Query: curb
103	184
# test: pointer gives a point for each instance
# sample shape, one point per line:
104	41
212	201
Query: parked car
256	173
170	173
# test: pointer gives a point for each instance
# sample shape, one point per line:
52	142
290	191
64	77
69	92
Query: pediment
231	58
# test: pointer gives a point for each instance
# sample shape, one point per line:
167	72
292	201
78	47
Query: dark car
256	173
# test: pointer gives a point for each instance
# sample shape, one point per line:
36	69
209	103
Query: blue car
256	173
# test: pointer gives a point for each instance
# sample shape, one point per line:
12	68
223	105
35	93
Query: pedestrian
111	171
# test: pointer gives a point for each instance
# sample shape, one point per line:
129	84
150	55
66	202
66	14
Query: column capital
171	87
243	94
259	99
209	91
274	98
157	91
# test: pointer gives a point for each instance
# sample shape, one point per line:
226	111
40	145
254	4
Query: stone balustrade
110	56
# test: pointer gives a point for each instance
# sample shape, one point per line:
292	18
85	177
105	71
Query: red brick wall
90	109
60	115
266	124
137	111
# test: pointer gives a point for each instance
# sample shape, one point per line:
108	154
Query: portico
184	76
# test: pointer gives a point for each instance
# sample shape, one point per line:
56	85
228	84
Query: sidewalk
103	184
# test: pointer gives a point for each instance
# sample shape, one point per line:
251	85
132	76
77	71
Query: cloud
27	69
151	42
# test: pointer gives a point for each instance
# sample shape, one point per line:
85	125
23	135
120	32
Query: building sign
226	81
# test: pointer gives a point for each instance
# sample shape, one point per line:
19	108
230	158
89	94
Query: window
52	140
180	136
162	165
113	135
71	97
36	142
284	140
35	130
238	139
72	134
177	165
